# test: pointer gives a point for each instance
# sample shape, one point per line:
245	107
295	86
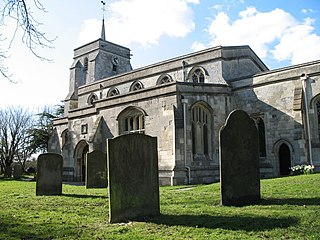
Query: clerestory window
198	75
92	98
113	92
164	79
136	86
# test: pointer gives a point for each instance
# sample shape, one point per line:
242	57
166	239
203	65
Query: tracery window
201	130
92	98
132	120
198	76
164	79
113	92
136	86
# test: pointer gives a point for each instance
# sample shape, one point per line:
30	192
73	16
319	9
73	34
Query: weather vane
103	7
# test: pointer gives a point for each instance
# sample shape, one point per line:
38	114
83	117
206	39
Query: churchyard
289	209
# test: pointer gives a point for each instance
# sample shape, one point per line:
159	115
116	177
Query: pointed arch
64	137
259	121
197	75
315	105
284	152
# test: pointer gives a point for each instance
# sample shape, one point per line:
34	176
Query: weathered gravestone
17	171
96	175
239	160
7	171
49	174
133	177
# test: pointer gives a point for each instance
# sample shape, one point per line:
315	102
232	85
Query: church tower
95	61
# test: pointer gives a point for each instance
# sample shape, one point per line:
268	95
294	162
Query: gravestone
239	160
133	177
96	175
7	171
49	174
17	171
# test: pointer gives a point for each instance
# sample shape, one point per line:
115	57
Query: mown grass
289	209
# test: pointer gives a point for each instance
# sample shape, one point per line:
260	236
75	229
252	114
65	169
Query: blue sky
282	33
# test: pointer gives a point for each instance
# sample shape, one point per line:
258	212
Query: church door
83	163
284	159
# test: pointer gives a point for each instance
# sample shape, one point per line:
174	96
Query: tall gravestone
96	175
49	174
132	177
239	160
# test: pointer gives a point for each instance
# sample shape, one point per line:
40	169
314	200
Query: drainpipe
184	64
185	103
304	78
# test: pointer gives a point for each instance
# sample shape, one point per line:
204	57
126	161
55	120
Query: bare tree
14	125
25	21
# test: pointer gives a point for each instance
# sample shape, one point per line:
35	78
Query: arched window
131	120
197	75
315	126
113	92
64	138
317	110
136	86
262	136
164	79
86	64
201	131
92	98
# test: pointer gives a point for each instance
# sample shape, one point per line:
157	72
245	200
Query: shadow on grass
290	201
82	196
245	223
10	229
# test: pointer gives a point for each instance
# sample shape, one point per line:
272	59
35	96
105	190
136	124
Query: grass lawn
289	209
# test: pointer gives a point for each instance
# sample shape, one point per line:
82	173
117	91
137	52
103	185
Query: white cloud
298	44
145	21
275	33
90	31
197	46
142	21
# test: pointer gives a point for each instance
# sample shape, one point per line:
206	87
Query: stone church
183	102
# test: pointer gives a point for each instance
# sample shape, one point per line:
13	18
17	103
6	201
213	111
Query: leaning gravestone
17	171
49	174
96	175
132	177
239	160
